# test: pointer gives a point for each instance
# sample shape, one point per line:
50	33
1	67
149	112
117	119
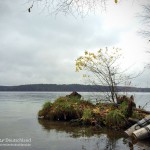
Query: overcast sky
37	47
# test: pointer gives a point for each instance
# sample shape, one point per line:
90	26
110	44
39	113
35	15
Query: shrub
65	108
115	119
41	113
124	108
87	114
47	105
45	109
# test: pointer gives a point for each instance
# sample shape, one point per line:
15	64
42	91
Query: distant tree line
69	88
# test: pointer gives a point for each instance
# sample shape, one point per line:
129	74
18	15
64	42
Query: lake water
18	120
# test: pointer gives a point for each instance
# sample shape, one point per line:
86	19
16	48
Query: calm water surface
18	119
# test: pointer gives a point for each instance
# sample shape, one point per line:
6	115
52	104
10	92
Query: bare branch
145	31
104	67
80	7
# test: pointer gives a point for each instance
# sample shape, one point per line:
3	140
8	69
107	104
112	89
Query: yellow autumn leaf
116	1
86	52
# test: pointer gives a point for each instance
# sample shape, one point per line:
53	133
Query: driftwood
142	111
133	120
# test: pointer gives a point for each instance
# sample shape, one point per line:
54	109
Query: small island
79	112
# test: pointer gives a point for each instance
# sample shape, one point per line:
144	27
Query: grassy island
82	112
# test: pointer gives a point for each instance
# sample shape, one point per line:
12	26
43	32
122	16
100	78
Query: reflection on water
78	131
108	139
143	144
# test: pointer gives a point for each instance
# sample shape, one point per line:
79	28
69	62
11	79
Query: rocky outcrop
74	94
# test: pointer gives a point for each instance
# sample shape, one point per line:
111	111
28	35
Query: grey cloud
35	48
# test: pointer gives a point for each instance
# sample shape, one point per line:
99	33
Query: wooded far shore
70	87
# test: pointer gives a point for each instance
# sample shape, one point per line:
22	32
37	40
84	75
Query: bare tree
103	68
81	7
145	31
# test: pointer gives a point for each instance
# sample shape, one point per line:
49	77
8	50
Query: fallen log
141	110
133	120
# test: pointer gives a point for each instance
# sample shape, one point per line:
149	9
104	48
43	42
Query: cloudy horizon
40	48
